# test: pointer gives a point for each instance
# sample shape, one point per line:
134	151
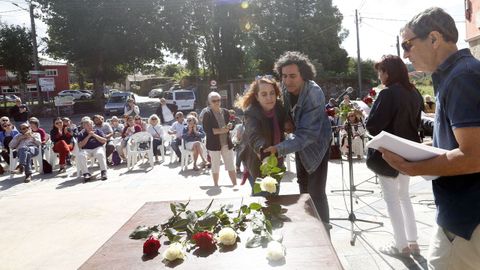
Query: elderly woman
358	130
264	122
192	136
216	122
6	135
117	127
35	126
130	128
155	129
27	145
397	110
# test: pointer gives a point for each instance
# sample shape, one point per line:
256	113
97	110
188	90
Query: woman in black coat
264	123
397	111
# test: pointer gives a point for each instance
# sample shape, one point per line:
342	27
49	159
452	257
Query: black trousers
314	184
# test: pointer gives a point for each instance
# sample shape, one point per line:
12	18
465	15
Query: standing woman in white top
155	129
131	109
166	112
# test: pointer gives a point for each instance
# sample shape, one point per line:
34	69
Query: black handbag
378	165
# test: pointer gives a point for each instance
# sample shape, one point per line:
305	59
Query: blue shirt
313	131
92	143
457	90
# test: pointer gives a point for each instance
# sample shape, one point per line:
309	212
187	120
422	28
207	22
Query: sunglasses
407	44
24	128
4	120
215	100
58	123
5	126
268	77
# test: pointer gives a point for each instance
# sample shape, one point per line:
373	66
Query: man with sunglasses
429	42
27	145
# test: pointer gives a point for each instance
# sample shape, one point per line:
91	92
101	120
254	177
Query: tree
105	38
16	51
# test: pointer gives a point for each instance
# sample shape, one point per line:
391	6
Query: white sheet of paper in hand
409	150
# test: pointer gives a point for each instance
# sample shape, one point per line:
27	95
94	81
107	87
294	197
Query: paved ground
58	222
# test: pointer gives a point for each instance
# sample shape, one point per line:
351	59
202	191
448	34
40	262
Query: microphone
349	90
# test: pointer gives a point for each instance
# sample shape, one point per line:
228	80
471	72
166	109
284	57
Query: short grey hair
433	19
212	95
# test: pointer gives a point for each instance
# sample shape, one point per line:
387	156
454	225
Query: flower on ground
151	246
269	184
227	236
173	252
275	251
204	240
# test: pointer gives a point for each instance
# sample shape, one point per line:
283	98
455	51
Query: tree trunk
98	84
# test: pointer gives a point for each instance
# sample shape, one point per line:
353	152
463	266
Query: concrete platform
57	222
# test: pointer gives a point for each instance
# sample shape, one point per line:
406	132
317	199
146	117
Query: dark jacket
397	110
209	123
259	135
17	116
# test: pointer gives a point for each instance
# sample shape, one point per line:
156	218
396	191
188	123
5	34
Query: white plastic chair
134	150
37	161
186	155
75	152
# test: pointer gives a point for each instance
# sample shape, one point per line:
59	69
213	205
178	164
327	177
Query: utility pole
359	70
398	46
35	53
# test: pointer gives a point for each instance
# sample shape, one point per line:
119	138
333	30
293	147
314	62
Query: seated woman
61	136
155	129
117	127
9	131
129	129
35	126
140	122
358	131
192	137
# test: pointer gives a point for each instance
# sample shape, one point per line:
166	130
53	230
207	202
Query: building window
8	90
51	72
31	88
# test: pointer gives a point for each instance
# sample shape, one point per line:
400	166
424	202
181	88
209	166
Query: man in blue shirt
429	42
305	104
90	142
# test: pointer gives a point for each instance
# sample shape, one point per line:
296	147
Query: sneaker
103	175
28	178
391	250
86	177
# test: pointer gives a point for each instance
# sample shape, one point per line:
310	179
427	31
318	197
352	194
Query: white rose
268	184
275	251
227	236
173	252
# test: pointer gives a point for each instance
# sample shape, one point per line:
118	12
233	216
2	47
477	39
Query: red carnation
372	93
368	100
231	117
151	246
204	240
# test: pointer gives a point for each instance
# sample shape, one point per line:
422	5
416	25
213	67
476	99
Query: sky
381	21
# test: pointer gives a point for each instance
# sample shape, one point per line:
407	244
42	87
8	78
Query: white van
184	99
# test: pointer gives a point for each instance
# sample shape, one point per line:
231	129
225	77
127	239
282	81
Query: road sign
47	84
36	72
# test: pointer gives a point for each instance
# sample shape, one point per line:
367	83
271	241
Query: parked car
76	94
87	92
155	93
184	99
116	103
8	98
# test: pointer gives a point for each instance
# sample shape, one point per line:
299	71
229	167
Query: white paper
409	150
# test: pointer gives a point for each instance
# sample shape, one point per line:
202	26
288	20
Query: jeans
400	210
176	149
315	184
25	155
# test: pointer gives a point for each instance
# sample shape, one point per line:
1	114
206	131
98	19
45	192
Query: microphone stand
351	216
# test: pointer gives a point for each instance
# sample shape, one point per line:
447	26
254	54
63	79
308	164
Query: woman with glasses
35	126
396	110
27	145
156	130
139	121
192	136
216	122
61	136
264	122
9	131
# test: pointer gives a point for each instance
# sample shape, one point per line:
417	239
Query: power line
13	10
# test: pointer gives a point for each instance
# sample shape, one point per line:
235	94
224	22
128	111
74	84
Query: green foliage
16	50
270	168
